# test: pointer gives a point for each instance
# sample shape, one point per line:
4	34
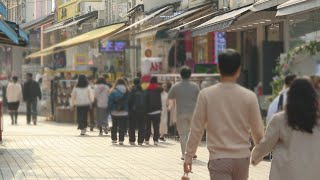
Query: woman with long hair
293	136
82	98
118	106
101	91
14	96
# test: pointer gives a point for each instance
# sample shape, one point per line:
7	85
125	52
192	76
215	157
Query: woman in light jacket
14	96
293	136
119	108
82	98
101	95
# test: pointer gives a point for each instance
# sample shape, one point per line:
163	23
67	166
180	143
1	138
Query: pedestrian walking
137	107
118	106
229	112
31	93
82	98
101	98
154	107
185	93
280	101
293	136
164	113
14	96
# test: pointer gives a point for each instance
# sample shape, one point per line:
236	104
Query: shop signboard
220	44
151	65
80	59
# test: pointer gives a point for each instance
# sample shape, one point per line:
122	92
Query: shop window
304	28
274	32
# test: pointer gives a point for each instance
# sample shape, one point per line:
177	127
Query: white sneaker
147	142
120	142
114	142
82	133
156	143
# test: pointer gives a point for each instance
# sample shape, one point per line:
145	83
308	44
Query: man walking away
154	108
280	101
137	112
185	93
229	112
14	96
31	93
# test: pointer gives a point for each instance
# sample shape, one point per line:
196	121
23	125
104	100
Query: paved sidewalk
56	151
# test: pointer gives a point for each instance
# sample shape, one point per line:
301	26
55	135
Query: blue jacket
115	95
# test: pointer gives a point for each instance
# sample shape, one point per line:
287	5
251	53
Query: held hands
187	167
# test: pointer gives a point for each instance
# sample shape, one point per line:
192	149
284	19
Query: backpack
139	101
121	102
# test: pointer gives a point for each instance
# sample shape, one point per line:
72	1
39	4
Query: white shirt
273	108
14	92
82	97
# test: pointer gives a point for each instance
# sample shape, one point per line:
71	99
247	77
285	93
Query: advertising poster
151	65
80	59
59	60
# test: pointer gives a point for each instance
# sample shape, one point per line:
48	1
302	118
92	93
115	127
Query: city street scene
160	89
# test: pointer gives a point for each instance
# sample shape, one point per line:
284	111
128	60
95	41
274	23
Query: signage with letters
152	65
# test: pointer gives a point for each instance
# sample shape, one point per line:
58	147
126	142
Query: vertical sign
220	44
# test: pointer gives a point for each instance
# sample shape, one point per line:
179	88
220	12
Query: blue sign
3	10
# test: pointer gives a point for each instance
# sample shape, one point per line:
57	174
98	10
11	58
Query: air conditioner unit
99	22
101	14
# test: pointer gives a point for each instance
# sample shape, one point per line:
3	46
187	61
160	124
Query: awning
134	9
145	19
37	22
193	21
53	27
3	10
8	31
297	6
180	16
266	4
86	37
23	35
71	22
220	22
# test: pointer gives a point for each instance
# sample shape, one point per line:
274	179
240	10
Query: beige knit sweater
230	113
296	154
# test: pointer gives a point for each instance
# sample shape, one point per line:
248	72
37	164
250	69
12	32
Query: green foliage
285	63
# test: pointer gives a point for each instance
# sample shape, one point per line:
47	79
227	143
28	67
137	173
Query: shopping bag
185	177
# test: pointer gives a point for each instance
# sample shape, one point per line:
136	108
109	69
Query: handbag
185	177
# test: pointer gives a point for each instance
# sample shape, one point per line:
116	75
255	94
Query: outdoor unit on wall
101	18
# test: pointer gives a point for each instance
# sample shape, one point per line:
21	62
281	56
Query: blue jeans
32	109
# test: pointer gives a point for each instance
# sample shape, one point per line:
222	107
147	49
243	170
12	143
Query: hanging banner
152	65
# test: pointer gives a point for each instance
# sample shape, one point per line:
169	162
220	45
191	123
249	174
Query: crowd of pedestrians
228	113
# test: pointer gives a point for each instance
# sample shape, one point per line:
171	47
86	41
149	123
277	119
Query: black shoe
162	139
182	158
195	157
91	129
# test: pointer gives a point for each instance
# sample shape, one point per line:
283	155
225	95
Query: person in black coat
154	107
31	93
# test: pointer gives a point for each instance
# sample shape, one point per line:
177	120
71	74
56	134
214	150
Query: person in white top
164	113
82	98
280	101
14	96
102	96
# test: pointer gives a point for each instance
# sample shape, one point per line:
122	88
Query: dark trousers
82	116
32	109
155	120
137	119
118	123
91	115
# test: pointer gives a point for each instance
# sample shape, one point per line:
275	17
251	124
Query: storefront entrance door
250	58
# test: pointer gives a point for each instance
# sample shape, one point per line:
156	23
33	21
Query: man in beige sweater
229	113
